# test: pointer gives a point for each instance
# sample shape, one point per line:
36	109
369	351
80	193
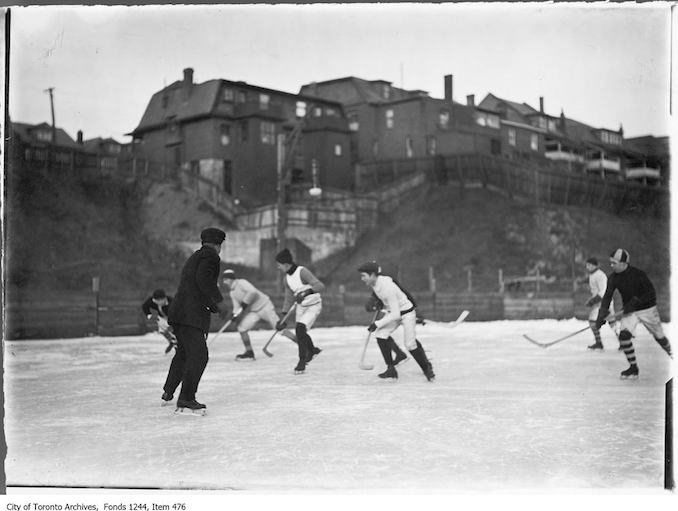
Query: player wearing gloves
159	303
253	306
198	295
640	306
597	286
303	288
400	310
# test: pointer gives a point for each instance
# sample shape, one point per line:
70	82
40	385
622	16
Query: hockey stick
449	324
287	315
362	364
221	330
614	317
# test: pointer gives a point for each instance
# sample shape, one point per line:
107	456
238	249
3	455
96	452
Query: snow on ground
502	416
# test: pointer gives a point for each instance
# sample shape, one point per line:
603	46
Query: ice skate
630	374
389	373
595	346
300	368
166	399
190	407
248	355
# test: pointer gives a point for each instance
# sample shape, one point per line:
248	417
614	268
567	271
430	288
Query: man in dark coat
189	315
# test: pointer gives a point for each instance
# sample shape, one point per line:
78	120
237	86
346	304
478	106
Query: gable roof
359	90
26	132
492	102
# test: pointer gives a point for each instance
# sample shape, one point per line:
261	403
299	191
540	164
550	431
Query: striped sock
630	353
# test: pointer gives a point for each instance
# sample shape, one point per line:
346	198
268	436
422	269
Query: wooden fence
75	314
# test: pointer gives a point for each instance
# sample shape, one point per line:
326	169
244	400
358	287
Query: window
386	91
552	125
244	128
444	119
242	96
431	145
317	112
375	148
225	134
493	121
228	95
389	118
44	135
264	99
353	122
338	150
331	112
534	142
481	120
409	152
267	132
195	167
301	109
512	136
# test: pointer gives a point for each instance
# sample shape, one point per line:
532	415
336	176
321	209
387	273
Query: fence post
95	289
500	276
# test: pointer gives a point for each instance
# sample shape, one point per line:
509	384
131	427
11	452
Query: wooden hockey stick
287	315
224	327
362	364
450	324
614	317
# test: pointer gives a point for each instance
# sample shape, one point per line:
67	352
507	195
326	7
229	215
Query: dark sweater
630	283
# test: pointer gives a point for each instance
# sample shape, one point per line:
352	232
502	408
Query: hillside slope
450	231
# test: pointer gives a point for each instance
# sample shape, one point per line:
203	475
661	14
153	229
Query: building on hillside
107	151
44	146
571	145
649	159
230	133
389	123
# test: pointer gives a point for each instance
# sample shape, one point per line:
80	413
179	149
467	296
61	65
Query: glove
299	297
280	325
593	300
631	305
420	320
599	323
237	318
221	308
372	327
149	316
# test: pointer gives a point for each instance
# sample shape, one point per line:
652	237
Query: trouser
188	363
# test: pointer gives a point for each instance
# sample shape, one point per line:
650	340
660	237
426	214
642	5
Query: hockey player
374	304
159	303
597	286
189	315
253	306
303	288
640	306
400	310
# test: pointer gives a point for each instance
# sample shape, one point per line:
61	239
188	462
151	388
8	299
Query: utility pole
50	146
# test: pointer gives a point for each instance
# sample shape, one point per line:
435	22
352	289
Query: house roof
26	132
200	102
492	102
360	90
93	144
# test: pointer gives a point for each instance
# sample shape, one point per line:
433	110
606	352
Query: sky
604	65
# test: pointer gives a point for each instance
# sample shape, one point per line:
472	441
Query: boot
630	374
385	348
596	346
248	355
192	404
419	355
389	373
166	399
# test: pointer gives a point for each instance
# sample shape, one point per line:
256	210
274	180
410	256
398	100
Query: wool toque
620	256
284	257
159	294
592	260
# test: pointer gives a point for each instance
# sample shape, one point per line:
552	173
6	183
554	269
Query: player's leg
627	327
245	325
197	357
651	320
414	346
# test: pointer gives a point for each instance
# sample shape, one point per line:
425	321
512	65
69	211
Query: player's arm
390	300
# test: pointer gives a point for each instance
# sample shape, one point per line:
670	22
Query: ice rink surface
503	415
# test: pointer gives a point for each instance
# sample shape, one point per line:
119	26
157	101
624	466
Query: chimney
80	137
448	88
562	120
541	104
471	100
188	80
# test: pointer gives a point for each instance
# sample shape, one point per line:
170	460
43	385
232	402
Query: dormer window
552	125
228	95
44	135
386	91
263	101
241	97
301	109
353	122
